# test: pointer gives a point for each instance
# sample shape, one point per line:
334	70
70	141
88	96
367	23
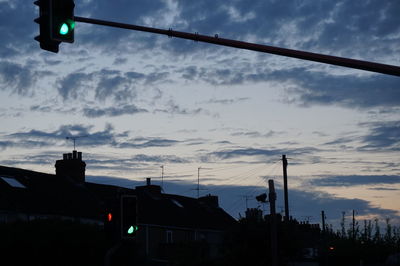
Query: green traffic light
67	27
132	229
64	29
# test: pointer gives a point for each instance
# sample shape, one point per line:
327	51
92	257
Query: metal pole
274	234
162	176
198	182
321	58
285	187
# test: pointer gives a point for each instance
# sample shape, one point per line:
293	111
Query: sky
139	101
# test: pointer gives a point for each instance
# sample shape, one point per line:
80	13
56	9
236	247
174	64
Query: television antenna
74	138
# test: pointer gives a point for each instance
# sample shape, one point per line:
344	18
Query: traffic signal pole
321	58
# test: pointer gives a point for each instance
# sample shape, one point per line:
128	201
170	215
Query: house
168	224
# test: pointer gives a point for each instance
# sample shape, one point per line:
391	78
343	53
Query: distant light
331	248
109	217
64	29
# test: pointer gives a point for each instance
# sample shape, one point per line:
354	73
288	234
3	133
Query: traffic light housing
62	22
129	225
56	23
44	21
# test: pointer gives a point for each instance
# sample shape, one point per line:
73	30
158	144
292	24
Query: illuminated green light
132	229
64	29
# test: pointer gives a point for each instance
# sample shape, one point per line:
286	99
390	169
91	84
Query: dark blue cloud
73	85
383	135
38	138
227	101
158	159
107	84
252	152
146	142
112	111
174	108
347	91
17	78
353	180
17	28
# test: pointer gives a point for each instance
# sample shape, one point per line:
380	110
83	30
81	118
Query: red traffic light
109	217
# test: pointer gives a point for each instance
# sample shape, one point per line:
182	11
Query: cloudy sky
141	101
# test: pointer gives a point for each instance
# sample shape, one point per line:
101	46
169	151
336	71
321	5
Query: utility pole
353	226
198	182
323	221
324	236
162	176
285	187
274	233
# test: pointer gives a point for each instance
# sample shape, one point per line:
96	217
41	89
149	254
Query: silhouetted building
168	224
71	166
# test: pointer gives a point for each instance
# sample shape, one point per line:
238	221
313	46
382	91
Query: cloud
348	91
226	101
16	78
112	111
252	152
146	142
341	141
73	85
174	108
16	18
384	189
305	86
255	134
158	159
383	135
87	137
107	84
354	180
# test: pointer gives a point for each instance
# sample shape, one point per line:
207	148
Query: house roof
39	193
169	209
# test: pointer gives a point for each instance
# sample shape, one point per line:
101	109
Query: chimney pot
79	155
65	156
148	181
69	156
74	155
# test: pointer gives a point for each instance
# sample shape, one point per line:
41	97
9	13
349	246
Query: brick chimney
154	189
71	166
210	200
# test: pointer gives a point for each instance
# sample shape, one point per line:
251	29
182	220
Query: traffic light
62	22
56	23
129	225
44	21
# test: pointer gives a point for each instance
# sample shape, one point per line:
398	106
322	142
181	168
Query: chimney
210	200
71	166
153	189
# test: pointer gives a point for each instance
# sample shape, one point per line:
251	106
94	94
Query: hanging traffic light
62	22
129	225
44	21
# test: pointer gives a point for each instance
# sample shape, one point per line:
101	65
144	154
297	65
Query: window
177	203
12	182
170	240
